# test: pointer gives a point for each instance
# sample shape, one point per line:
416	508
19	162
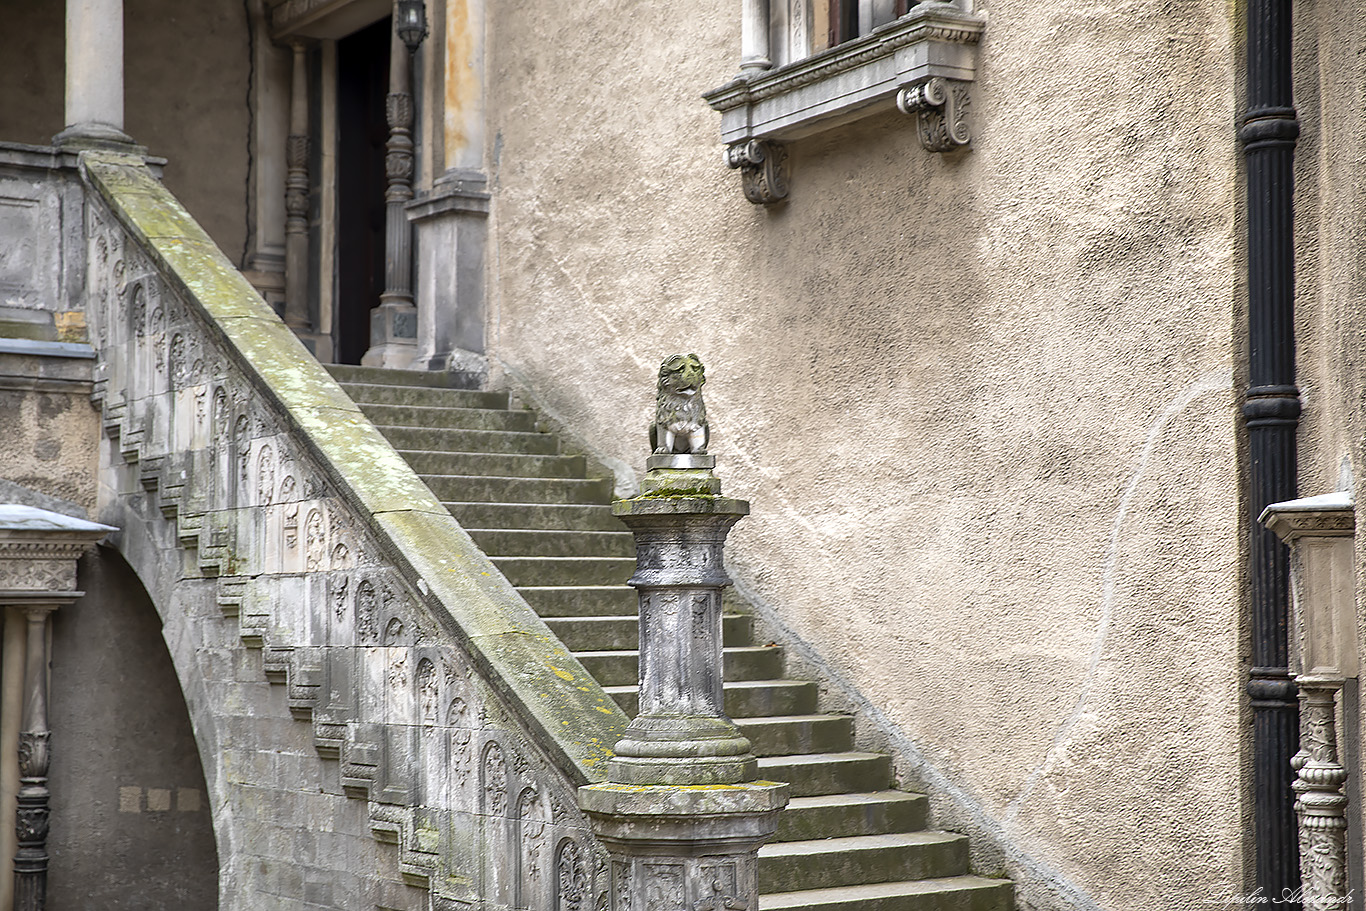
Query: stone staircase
847	841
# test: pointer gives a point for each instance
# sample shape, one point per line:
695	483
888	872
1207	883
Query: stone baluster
94	75
393	324
682	813
1320	805
296	197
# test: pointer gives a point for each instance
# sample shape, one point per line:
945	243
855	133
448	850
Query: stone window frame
920	63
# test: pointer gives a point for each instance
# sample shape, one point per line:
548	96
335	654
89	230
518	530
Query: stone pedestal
682	814
675	847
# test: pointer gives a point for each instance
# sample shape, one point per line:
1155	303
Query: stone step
956	893
428	439
497	464
565	570
747	699
450	418
785	735
514	542
859	859
814	774
351	373
536	516
602	634
386	394
606	601
620	668
858	813
467	488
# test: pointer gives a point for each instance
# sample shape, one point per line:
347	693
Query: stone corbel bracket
941	107
763	170
922	63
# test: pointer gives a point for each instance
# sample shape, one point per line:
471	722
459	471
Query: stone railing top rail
562	706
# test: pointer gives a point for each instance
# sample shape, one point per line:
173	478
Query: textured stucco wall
186	68
983	405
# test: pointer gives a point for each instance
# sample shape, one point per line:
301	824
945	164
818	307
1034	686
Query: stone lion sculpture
680	423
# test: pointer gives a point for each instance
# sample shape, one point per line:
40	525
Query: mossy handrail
565	711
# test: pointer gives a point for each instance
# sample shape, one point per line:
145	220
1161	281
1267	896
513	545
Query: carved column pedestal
684	847
681	813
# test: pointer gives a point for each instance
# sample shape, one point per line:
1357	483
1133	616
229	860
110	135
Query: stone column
393	324
94	75
38	553
296	197
754	52
681	812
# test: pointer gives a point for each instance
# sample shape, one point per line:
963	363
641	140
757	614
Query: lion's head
681	374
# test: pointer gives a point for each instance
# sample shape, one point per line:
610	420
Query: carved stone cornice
1330	515
922	63
39	550
852	79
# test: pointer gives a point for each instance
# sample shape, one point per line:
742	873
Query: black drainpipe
1271	412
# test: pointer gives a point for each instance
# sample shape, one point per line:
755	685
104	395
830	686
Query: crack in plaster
1215	382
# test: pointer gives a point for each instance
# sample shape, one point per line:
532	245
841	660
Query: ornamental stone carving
940	107
763	170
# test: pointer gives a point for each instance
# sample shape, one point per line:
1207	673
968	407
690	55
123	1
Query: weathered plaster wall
130	818
984	405
51	443
186	67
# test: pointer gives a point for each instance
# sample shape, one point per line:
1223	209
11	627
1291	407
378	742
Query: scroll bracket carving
763	169
941	107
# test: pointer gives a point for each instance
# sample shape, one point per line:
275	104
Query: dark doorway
362	84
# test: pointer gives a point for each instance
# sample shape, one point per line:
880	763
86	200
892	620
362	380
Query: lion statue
680	423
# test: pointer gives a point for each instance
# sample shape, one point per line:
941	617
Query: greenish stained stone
658	505
679	482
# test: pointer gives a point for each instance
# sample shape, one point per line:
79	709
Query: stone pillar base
393	336
97	136
694	847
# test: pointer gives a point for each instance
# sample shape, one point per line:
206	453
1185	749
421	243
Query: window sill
920	63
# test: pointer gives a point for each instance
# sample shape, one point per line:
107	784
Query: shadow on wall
131	826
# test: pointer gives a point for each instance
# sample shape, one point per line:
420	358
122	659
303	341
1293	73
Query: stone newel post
682	813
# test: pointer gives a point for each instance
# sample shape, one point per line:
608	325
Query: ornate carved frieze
940	107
